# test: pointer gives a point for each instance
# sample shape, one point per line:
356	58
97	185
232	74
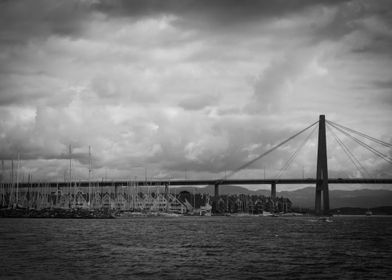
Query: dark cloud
377	45
198	102
224	11
383	84
227	16
371	19
21	21
34	89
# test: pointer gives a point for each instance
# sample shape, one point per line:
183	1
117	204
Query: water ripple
196	248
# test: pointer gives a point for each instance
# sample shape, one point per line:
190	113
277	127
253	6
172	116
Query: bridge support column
216	191
273	190
322	171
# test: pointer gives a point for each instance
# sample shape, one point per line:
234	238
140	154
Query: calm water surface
197	248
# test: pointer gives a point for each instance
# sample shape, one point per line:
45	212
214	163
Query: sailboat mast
17	180
3	190
12	183
194	198
12	171
70	173
89	176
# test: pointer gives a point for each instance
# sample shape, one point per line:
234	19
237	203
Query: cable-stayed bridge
322	180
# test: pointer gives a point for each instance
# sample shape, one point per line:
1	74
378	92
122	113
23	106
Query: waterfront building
81	201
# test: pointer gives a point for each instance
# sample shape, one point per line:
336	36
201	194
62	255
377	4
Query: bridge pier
216	190
273	190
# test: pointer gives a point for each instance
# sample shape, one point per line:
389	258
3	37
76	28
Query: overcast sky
191	88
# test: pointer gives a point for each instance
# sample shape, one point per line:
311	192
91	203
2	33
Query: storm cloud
189	87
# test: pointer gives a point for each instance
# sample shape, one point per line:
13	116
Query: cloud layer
189	87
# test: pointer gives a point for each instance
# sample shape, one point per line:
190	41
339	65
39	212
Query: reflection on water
196	248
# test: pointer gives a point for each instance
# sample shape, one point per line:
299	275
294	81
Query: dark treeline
242	203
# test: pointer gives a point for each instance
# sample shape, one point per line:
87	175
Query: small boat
368	213
165	214
267	214
325	219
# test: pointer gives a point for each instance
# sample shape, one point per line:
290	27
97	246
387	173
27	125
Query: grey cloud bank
201	86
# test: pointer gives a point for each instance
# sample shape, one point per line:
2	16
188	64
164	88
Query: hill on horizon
304	198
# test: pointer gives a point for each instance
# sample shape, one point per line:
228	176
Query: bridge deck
209	182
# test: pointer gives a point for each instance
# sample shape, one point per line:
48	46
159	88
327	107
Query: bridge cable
366	146
266	153
294	155
349	154
346	150
363	135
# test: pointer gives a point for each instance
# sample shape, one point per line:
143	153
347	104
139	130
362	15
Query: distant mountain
364	198
227	189
360	198
304	197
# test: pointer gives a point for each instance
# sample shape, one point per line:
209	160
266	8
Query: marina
150	200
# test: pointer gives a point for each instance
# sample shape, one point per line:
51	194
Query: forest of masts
130	196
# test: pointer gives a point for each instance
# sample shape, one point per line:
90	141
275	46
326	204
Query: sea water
349	247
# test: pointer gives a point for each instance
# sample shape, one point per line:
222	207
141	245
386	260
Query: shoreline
79	213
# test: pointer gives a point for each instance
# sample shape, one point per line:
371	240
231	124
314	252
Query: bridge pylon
273	190
322	172
216	190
